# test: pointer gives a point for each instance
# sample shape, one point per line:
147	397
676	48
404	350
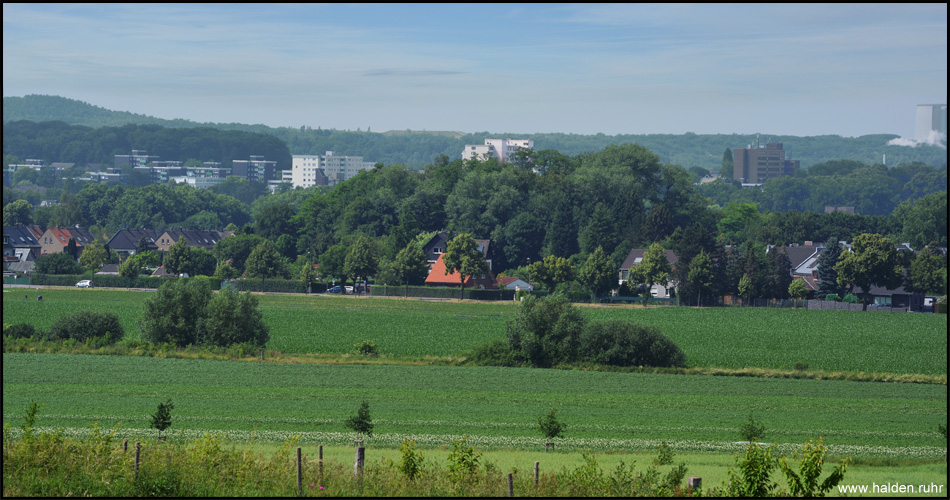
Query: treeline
869	189
417	149
83	145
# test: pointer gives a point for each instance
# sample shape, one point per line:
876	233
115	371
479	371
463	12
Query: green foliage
552	271
798	289
621	343
19	331
832	297
804	483
57	263
463	461
654	268
462	255
664	454
175	312
410	266
266	262
29	420
361	423
753	478
367	348
873	261
162	418
362	259
928	273
17	212
546	331
851	299
84	325
701	275
233	317
750	430
411	463
549	425
599	273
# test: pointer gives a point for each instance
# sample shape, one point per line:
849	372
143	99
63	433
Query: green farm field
733	338
496	407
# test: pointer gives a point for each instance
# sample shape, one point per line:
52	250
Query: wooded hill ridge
418	149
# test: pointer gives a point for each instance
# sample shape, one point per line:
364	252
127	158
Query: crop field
873	342
496	407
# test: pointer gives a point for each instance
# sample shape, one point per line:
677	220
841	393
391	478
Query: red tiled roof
437	275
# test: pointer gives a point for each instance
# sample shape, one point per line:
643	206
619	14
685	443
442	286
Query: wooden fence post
138	450
537	469
125	446
299	474
320	464
511	485
358	463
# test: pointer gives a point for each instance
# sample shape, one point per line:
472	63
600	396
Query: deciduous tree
463	255
873	262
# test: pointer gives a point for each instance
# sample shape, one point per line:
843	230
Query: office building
326	170
499	149
755	165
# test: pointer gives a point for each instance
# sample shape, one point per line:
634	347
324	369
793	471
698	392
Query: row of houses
804	263
23	244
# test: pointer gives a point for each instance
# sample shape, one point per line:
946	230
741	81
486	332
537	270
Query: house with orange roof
438	277
56	239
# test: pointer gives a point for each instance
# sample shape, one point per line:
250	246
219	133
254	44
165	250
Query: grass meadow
889	428
733	338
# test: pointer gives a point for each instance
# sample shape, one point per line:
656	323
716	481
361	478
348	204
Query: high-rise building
930	118
500	149
326	170
757	165
256	169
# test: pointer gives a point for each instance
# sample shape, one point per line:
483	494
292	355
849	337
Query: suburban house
125	242
56	239
437	245
437	277
635	256
20	248
194	238
513	283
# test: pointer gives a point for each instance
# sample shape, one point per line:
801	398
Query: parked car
335	289
349	289
84	284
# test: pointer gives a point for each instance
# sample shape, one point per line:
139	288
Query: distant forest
416	149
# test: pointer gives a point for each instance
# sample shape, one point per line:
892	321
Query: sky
803	69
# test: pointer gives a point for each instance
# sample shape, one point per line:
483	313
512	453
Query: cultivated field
735	338
496	407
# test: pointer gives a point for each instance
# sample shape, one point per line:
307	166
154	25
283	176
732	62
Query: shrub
175	312
621	343
546	331
361	423
233	318
750	431
83	325
411	463
851	298
494	353
19	331
754	475
804	483
832	297
550	426
367	348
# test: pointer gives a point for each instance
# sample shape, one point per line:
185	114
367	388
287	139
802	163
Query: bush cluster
186	312
84	325
550	331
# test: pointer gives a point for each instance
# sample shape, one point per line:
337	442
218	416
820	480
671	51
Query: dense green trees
872	261
462	255
57	263
185	312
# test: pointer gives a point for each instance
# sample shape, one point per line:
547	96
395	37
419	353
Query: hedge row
277	285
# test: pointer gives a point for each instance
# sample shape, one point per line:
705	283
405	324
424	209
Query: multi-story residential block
500	149
138	158
255	169
326	170
753	166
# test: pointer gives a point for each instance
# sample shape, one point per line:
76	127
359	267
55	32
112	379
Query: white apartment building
500	149
325	170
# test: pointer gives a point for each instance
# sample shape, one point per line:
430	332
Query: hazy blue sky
810	69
